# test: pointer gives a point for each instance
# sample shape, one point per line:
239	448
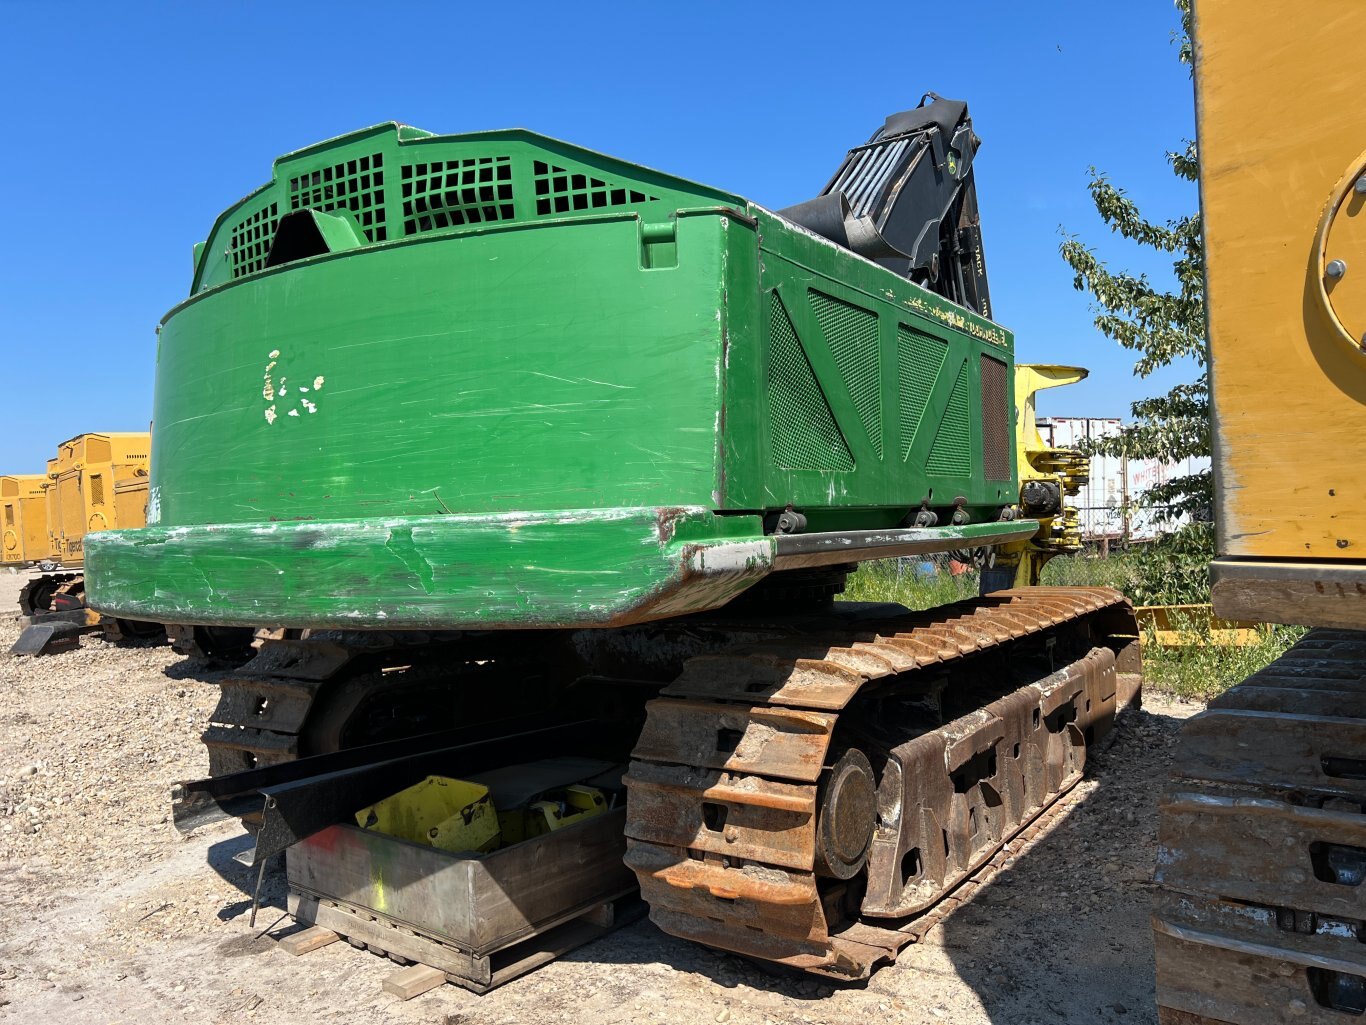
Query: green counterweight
495	380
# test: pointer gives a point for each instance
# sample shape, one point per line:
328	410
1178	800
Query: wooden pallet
431	962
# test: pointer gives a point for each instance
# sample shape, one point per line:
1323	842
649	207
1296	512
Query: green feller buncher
485	428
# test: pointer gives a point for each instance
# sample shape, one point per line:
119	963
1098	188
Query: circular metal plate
1340	264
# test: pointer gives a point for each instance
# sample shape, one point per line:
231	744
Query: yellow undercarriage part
456	815
448	814
556	809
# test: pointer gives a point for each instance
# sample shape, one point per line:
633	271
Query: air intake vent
995	420
97	489
560	191
356	185
950	456
249	243
851	333
450	193
919	359
805	434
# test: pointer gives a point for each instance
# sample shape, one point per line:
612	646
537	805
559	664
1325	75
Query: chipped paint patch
274	393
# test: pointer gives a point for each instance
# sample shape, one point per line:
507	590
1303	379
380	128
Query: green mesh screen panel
450	193
249	243
919	358
356	185
805	435
851	333
950	455
561	191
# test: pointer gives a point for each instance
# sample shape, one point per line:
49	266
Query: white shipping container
1110	507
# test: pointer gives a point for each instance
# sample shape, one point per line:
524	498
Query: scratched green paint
532	418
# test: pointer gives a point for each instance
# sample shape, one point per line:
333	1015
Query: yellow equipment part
1190	626
23	519
556	809
1062	468
448	814
96	482
1283	201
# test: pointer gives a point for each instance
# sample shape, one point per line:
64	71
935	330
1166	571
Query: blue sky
132	126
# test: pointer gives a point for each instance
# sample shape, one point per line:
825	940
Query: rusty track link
733	827
1260	914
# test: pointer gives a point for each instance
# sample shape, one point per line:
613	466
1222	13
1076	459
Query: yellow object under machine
457	815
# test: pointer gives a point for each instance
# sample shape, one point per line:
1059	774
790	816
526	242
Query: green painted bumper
594	567
575	568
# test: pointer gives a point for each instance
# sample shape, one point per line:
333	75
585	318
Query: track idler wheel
846	816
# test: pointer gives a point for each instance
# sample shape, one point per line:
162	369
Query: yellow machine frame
96	482
1276	93
23	519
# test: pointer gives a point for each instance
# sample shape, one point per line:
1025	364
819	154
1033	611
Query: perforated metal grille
249	242
561	191
356	185
97	489
450	193
919	358
9	515
805	435
995	420
950	455
851	333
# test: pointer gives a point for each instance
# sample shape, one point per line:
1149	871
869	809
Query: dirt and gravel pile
110	916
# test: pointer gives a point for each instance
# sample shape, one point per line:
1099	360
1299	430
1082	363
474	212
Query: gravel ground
110	916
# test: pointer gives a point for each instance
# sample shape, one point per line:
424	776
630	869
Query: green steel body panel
571	567
521	383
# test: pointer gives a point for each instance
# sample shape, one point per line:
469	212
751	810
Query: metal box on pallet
480	918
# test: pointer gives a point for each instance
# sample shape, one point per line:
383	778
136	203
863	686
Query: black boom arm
908	200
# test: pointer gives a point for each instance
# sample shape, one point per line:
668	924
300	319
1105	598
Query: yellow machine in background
23	519
1260	915
95	482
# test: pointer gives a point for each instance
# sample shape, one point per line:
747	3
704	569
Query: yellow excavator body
1283	196
23	519
96	482
1258	915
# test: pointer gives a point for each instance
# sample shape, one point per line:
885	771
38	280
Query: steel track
1260	915
727	786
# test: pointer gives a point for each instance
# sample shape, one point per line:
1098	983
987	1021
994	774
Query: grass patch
916	583
1198	670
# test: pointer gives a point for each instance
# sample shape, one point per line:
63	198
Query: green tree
1161	325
